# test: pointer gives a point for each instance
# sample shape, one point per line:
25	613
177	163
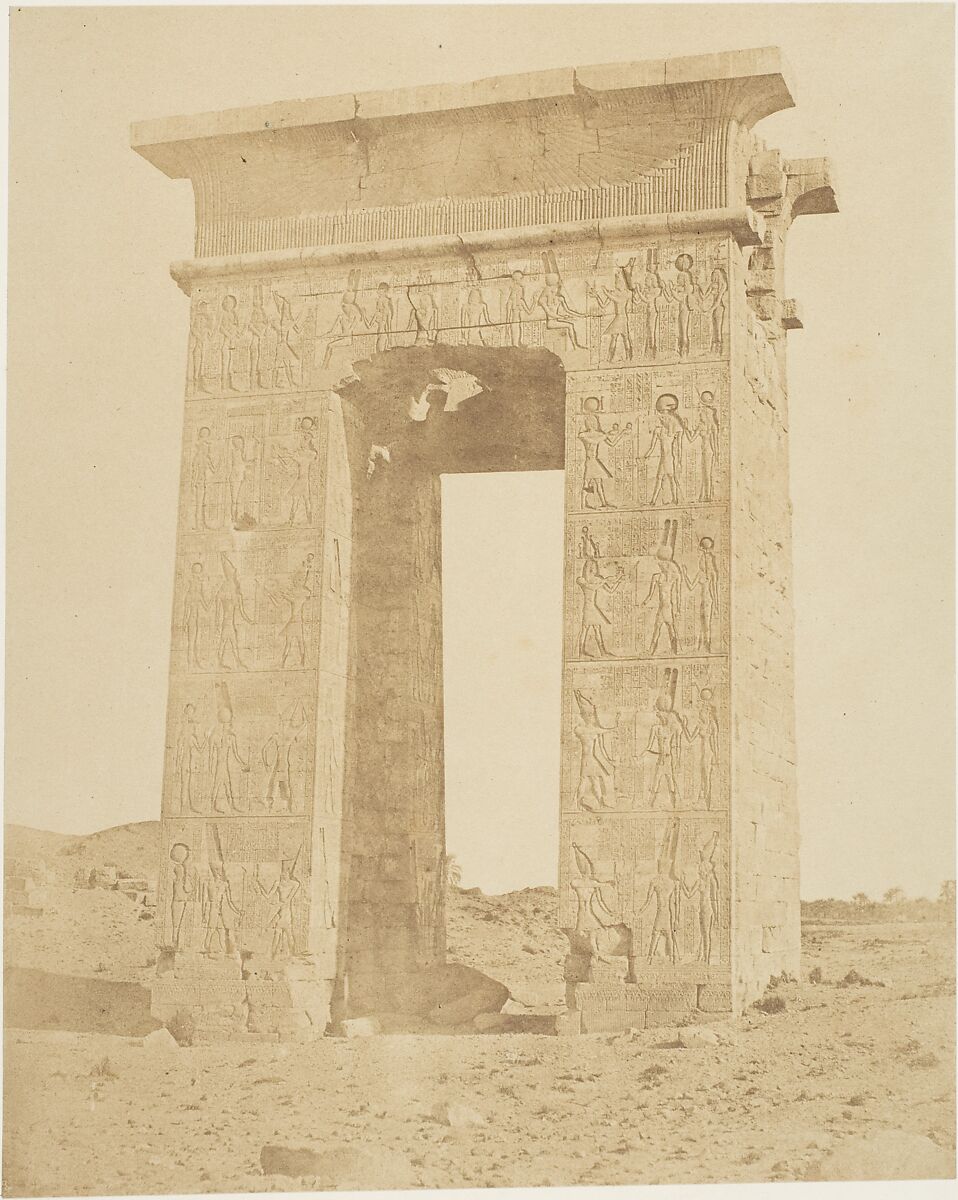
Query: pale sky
98	337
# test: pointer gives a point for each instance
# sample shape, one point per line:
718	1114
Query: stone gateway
575	269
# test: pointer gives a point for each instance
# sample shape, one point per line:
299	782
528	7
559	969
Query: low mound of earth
130	848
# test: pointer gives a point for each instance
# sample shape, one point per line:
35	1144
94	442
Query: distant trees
894	895
860	899
947	893
452	870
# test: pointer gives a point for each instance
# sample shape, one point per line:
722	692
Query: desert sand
845	1074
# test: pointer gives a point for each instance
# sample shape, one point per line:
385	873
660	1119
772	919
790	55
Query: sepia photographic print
480	626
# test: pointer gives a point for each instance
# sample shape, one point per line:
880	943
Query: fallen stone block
489	998
344	1168
435	988
457	1116
696	1037
487	1022
160	1040
355	1027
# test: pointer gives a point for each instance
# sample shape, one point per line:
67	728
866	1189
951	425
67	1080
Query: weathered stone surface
368	314
714	998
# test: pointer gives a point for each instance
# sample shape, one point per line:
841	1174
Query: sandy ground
844	1082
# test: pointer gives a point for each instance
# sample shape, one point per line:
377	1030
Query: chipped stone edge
743	224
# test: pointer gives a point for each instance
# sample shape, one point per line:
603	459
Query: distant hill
131	848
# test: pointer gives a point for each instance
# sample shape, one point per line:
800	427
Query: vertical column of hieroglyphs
644	846
248	860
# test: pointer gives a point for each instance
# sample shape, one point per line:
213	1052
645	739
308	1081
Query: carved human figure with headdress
665	588
277	755
667	435
664	892
593	437
283	893
597	926
596	787
551	301
706	888
474	318
224	751
620	301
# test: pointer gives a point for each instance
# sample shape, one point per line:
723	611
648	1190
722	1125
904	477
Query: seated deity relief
635	912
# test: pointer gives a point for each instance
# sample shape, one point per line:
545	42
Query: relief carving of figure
665	893
230	606
202	333
186	760
666	589
277	756
707	431
706	887
620	301
299	464
297	595
230	333
706	579
283	893
242	470
683	291
219	913
224	751
597	929
651	292
381	322
286	360
182	890
596	787
474	319
667	435
707	733
593	437
665	742
261	328
515	308
716	304
350	321
423	315
552	303
203	469
195	603
593	581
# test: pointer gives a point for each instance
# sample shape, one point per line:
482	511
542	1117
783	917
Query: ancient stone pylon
578	269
